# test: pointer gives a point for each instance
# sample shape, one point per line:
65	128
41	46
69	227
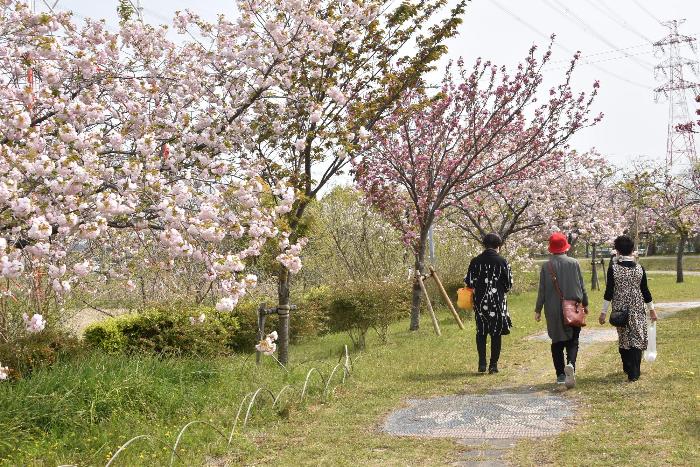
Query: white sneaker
570	380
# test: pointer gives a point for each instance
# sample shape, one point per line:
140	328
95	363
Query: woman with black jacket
491	278
627	289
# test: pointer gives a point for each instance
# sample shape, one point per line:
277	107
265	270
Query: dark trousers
495	348
571	347
631	362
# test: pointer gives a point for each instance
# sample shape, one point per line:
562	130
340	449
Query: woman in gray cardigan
570	279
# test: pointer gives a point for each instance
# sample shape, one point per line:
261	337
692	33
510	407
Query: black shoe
482	368
493	369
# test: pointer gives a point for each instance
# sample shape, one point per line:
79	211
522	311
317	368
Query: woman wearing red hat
569	279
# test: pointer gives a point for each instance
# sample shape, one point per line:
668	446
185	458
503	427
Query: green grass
81	412
654	263
690	263
651	422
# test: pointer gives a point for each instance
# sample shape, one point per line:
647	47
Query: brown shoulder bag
573	312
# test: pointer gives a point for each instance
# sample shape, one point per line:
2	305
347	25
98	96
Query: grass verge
651	422
80	412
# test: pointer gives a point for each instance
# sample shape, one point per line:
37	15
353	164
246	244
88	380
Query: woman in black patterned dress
626	287
490	276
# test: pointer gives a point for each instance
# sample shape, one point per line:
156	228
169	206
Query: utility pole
680	144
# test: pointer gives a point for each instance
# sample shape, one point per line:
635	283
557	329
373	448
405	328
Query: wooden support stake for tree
446	297
436	326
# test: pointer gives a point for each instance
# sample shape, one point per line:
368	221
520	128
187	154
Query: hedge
166	331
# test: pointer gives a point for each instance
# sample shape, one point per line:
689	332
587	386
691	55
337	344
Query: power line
574	18
566	49
610	13
648	52
605	52
643	8
156	14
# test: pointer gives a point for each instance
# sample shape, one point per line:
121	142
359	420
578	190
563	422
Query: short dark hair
624	245
492	240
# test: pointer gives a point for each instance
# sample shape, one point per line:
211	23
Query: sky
615	38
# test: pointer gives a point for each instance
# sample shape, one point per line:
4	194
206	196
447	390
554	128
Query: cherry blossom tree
348	78
573	195
350	241
634	191
508	209
672	209
585	205
130	140
485	127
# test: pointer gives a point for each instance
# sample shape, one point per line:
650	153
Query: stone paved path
489	425
671	308
491	416
588	336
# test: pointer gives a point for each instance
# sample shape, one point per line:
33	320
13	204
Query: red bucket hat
558	243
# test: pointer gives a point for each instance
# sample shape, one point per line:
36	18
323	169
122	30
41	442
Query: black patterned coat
491	278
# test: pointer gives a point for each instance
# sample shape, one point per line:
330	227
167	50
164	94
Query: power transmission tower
680	144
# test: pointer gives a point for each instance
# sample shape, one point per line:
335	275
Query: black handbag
619	318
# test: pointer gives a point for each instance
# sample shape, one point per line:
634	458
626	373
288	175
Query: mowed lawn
655	263
81	412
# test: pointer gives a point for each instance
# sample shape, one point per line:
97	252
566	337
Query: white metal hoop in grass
288	387
136	438
330	378
182	432
252	401
306	382
238	415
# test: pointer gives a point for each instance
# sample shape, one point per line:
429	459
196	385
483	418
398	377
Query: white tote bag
650	352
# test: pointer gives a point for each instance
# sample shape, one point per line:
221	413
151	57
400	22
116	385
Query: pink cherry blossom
34	324
485	127
267	346
198	320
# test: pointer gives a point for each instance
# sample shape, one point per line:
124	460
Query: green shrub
166	331
32	351
310	319
361	306
245	338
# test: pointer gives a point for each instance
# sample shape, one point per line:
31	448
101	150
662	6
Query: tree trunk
651	246
284	286
417	293
595	285
572	241
283	311
679	257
